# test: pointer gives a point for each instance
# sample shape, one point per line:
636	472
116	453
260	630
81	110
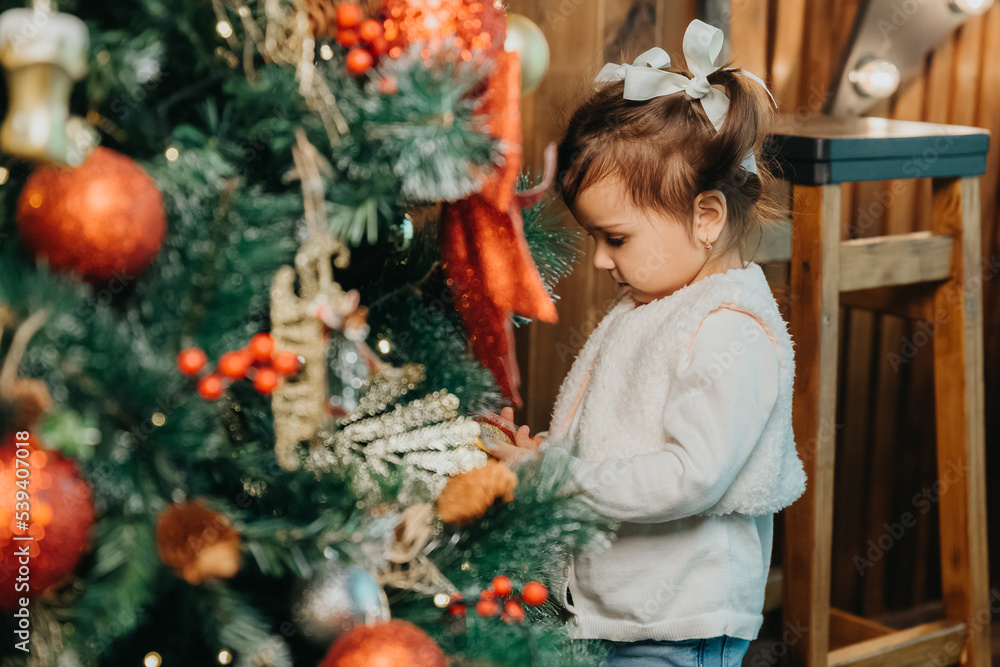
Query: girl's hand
521	438
511	454
524	445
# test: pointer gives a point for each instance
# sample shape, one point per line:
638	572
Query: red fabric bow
486	257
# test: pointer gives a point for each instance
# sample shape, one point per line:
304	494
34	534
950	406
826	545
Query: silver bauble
336	600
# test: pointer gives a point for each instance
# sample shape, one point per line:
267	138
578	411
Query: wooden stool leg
958	387
814	312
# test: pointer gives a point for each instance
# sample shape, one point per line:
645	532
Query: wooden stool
927	275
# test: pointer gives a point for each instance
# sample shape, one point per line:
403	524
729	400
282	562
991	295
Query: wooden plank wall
885	422
582	36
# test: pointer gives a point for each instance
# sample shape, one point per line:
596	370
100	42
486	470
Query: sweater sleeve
717	406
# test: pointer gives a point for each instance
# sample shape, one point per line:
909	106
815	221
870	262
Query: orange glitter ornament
467	496
463	28
103	219
197	542
59	518
389	644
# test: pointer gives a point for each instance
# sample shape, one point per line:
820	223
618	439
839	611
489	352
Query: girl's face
646	252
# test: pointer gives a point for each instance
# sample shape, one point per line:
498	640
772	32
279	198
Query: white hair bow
645	78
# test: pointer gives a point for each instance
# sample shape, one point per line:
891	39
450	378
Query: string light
442	600
325	52
971	7
152	659
172	154
158	419
4	175
224	29
383	346
875	77
225	657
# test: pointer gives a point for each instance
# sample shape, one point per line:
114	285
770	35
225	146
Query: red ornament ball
389	644
487	608
103	219
266	381
210	387
501	585
348	15
534	593
359	60
387	85
285	363
347	37
261	346
370	30
59	518
191	360
513	612
379	47
235	364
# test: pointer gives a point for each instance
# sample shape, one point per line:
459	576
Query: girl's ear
710	213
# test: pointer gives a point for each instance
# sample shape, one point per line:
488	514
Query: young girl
676	416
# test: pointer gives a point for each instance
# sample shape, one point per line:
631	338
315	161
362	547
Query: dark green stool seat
821	149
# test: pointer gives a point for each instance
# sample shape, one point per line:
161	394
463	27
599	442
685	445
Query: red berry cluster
501	599
258	361
364	37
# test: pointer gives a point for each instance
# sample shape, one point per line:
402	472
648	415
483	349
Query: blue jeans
721	651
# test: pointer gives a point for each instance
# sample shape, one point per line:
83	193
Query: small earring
708	246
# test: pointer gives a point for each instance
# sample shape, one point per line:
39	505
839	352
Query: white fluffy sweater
676	417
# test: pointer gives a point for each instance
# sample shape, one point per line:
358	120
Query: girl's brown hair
665	151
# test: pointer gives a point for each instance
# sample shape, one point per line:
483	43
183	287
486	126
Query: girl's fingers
524	440
508	453
508	414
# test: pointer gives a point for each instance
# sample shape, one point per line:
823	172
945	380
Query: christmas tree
259	266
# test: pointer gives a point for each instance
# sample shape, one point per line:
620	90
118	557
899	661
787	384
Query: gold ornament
284	39
299	403
22	400
43	53
408	566
527	40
